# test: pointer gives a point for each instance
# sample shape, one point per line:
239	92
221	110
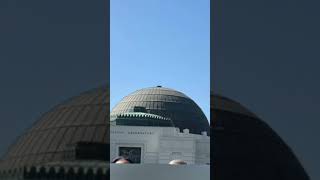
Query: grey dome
168	103
83	118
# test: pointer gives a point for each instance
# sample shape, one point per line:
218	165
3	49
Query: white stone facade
160	145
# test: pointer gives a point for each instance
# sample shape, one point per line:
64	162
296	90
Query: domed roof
168	103
83	118
245	147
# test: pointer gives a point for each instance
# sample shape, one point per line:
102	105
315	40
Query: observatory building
151	126
157	125
71	141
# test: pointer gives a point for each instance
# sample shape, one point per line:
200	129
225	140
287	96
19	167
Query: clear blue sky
161	42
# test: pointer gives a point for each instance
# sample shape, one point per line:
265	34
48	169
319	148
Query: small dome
141	119
167	103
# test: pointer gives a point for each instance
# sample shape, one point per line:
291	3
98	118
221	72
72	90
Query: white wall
160	145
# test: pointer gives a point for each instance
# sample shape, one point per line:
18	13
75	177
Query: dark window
132	153
92	151
139	109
